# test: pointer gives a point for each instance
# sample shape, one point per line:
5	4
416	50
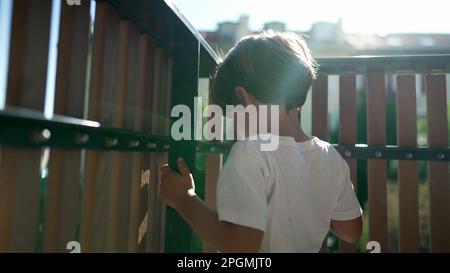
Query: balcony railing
104	152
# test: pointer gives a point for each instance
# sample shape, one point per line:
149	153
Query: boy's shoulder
246	147
328	148
331	153
252	148
324	151
321	143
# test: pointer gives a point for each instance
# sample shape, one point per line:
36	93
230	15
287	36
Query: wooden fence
110	133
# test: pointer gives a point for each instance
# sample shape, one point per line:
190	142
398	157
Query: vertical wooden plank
20	168
154	206
320	108
161	157
123	169
166	131
147	47
125	99
407	170
376	136
88	194
62	208
140	162
105	220
213	165
73	47
438	172
98	168
319	116
347	131
132	121
160	113
29	54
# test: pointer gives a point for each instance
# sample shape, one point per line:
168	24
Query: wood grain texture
319	104
347	132
96	216
140	174
377	181
20	169
407	170
154	205
64	178
438	172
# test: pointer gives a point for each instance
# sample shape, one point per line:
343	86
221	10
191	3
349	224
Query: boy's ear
242	95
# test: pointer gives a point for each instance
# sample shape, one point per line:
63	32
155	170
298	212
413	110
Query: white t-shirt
291	193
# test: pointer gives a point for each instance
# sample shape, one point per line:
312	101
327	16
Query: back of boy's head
273	67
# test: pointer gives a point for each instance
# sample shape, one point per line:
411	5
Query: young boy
270	201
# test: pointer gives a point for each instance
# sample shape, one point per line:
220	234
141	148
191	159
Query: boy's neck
290	125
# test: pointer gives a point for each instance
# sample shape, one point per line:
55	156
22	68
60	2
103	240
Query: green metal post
178	235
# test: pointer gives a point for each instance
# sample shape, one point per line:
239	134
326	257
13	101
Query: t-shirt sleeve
347	206
242	193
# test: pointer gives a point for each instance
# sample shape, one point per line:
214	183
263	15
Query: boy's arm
346	219
179	192
349	230
224	236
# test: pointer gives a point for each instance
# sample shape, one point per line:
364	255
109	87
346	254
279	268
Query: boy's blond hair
274	67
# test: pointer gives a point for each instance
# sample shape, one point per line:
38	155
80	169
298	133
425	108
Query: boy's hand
174	185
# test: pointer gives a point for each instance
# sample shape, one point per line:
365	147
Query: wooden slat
140	162
154	217
88	195
319	106
162	158
145	82
407	170
62	201
98	173
376	135
123	118
20	168
160	122
438	172
213	165
133	109
347	131
29	54
109	169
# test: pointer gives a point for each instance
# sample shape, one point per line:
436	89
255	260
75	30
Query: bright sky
367	16
380	16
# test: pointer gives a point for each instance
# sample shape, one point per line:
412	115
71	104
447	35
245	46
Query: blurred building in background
275	26
329	39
